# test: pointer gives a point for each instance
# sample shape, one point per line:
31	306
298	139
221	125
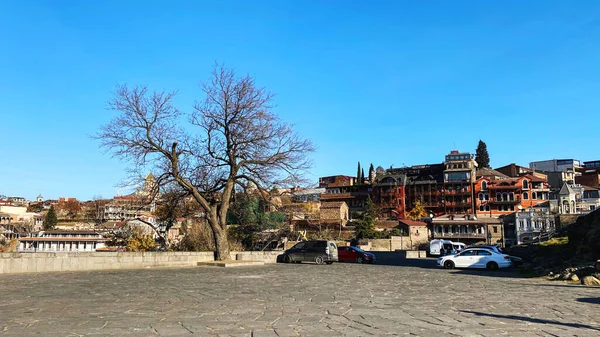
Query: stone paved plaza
296	300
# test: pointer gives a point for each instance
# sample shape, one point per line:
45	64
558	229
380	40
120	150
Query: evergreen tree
481	155
358	174
365	228
362	176
371	174
51	219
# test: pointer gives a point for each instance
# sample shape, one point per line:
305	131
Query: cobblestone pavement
295	300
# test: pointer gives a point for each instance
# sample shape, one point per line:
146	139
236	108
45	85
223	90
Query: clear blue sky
400	82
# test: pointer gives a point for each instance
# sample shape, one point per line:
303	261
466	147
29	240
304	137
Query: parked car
516	261
475	258
355	254
318	251
492	247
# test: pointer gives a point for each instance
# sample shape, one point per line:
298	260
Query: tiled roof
409	222
486	171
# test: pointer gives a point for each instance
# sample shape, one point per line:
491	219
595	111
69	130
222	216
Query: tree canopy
233	139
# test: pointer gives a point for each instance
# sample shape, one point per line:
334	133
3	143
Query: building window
487	208
521	224
480	196
484	185
525	184
481	208
525	196
495	229
533	195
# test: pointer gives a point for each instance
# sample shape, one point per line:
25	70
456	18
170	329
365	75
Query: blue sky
396	83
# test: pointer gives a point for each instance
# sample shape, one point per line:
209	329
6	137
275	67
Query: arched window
484	185
525	196
487	208
505	196
481	208
511	196
480	196
486	196
525	183
533	195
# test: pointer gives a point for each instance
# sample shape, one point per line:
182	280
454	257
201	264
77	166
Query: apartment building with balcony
533	224
459	177
398	189
468	229
344	188
388	195
501	195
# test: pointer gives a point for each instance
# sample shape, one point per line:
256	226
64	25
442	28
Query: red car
354	254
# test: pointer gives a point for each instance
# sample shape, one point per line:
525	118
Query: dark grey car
318	251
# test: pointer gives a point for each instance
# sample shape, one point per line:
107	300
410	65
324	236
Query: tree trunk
221	244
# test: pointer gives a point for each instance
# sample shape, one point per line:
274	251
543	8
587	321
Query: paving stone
295	300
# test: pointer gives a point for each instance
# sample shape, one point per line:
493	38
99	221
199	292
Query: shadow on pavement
533	320
593	300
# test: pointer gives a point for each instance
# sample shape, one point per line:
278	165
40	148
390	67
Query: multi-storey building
343	188
498	195
590	174
532	224
555	165
468	229
575	199
398	189
459	177
388	194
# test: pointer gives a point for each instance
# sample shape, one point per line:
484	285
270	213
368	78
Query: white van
436	246
458	246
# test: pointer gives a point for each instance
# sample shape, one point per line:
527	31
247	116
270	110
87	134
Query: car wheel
319	259
492	266
359	259
287	259
329	262
449	264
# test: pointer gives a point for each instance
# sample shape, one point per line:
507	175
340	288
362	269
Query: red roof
409	222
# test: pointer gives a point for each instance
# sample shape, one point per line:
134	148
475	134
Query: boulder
574	277
590	281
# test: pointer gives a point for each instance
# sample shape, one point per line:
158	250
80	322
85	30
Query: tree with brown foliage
233	138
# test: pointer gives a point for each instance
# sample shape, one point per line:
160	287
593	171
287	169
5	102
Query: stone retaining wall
12	263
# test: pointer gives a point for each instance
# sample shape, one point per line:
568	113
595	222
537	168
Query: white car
475	258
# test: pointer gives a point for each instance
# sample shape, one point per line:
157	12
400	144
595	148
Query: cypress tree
481	155
51	219
358	174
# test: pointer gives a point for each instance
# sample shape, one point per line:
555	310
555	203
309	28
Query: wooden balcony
459	235
504	201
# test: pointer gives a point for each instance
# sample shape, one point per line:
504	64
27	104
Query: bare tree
233	138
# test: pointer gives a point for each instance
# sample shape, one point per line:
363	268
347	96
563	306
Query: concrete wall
52	262
266	257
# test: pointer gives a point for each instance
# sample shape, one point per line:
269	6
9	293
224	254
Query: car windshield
358	249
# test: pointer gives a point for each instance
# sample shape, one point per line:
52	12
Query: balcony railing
459	235
511	187
504	201
460	192
458	204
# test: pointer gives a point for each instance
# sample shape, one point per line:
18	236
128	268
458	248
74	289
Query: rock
590	281
574	277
